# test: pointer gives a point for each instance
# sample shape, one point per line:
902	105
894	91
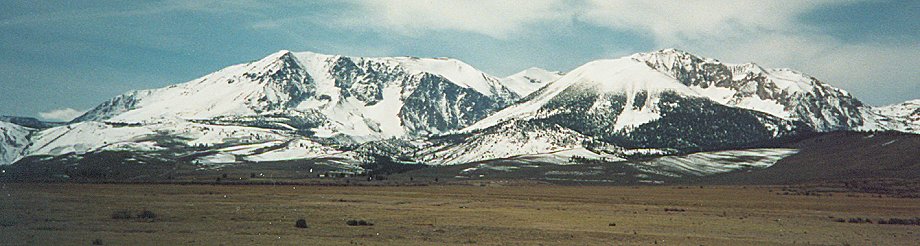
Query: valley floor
491	213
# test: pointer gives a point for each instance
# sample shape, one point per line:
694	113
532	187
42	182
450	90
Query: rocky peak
784	93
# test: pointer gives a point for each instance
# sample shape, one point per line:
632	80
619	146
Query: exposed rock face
438	106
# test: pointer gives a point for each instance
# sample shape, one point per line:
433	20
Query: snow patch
708	163
294	150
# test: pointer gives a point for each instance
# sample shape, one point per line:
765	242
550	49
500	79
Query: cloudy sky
58	59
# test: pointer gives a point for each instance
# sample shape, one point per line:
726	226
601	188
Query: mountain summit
784	93
355	97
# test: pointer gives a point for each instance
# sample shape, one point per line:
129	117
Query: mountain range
441	111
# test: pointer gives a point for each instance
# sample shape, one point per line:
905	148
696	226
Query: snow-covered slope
784	93
207	144
360	98
13	141
455	71
904	117
708	163
621	103
603	77
515	139
525	82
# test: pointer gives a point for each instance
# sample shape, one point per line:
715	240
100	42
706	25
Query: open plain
493	212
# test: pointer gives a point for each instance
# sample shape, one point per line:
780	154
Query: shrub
146	214
301	223
897	221
122	215
358	223
914	221
856	220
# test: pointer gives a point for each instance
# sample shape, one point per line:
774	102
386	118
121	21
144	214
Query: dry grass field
493	213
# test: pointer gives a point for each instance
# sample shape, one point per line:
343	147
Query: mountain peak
624	74
785	93
278	55
671	57
529	80
625	77
282	52
277	59
535	72
672	51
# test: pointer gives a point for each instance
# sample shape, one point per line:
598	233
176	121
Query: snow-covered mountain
525	82
13	141
619	102
359	98
286	106
303	105
663	102
784	93
904	117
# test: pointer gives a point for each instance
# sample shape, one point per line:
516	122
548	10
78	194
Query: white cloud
498	19
670	21
62	114
771	33
666	20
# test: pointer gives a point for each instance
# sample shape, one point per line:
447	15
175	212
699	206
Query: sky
61	58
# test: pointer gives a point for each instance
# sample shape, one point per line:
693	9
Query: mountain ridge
782	92
296	105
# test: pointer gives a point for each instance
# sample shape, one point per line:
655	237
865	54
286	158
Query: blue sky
58	59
